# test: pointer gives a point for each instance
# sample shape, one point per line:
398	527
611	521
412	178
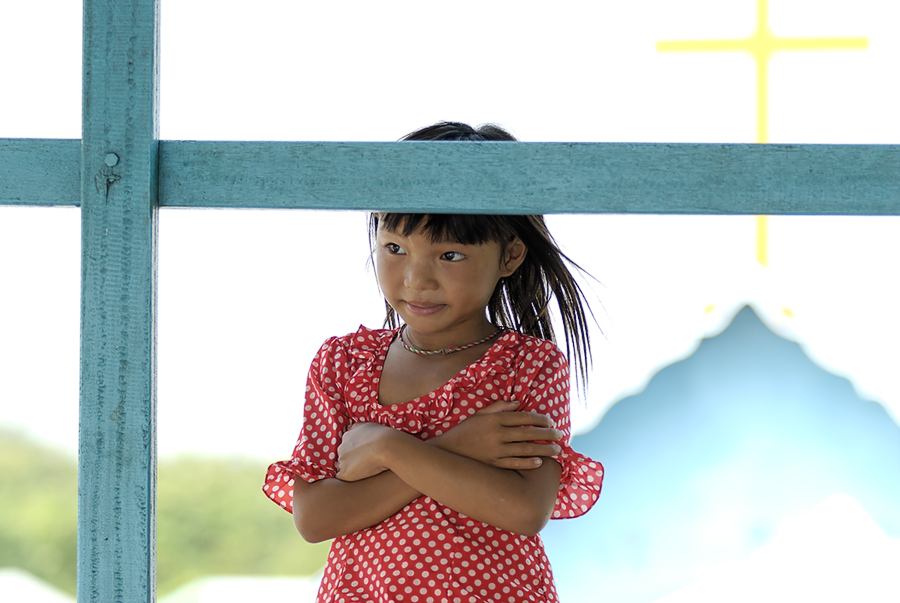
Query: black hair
520	301
456	131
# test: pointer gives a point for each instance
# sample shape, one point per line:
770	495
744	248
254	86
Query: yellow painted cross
761	45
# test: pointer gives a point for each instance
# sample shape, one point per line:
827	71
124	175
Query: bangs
465	229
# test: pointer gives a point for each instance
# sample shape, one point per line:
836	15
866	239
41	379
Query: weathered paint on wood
534	178
494	177
119	175
40	172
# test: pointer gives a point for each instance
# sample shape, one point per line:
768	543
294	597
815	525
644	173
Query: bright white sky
247	297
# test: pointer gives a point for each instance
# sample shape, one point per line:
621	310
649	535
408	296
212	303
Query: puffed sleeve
324	421
543	382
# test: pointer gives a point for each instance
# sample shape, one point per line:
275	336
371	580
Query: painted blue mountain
712	457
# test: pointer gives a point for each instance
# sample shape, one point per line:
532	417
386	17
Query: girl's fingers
529	433
512	419
499	406
530	449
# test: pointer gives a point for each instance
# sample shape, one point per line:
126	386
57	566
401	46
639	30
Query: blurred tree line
212	519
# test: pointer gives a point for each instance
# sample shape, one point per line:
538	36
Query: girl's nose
420	276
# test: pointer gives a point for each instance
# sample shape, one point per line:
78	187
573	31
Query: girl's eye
453	256
394	249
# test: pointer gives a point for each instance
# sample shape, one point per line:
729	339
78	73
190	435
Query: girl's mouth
423	310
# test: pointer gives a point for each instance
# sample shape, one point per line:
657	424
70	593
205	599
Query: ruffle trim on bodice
430	409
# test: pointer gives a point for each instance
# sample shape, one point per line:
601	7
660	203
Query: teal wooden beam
502	177
534	177
40	172
119	176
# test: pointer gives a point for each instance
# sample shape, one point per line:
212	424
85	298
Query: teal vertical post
117	421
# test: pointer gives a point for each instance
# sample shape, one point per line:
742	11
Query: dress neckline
381	357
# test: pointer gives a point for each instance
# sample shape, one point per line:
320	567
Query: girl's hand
358	453
499	437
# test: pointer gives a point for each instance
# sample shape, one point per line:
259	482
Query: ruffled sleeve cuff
279	485
579	486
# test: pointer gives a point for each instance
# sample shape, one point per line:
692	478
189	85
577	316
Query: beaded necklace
444	351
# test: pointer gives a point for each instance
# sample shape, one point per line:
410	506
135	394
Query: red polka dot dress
427	552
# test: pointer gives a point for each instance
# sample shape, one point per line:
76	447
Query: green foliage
38	510
212	519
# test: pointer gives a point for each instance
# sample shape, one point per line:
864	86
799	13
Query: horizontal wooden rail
489	177
40	172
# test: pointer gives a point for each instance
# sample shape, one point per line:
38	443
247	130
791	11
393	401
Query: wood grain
40	172
492	177
119	176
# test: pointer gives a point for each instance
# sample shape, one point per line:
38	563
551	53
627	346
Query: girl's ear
513	256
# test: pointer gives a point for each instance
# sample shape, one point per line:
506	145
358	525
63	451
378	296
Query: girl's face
441	290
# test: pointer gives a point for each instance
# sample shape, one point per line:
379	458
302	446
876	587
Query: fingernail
537	462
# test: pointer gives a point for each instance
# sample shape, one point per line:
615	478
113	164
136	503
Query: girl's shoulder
363	343
533	350
539	368
341	357
365	338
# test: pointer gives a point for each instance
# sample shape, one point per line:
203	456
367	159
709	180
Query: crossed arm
488	467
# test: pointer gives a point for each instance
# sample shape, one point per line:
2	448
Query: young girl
434	452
